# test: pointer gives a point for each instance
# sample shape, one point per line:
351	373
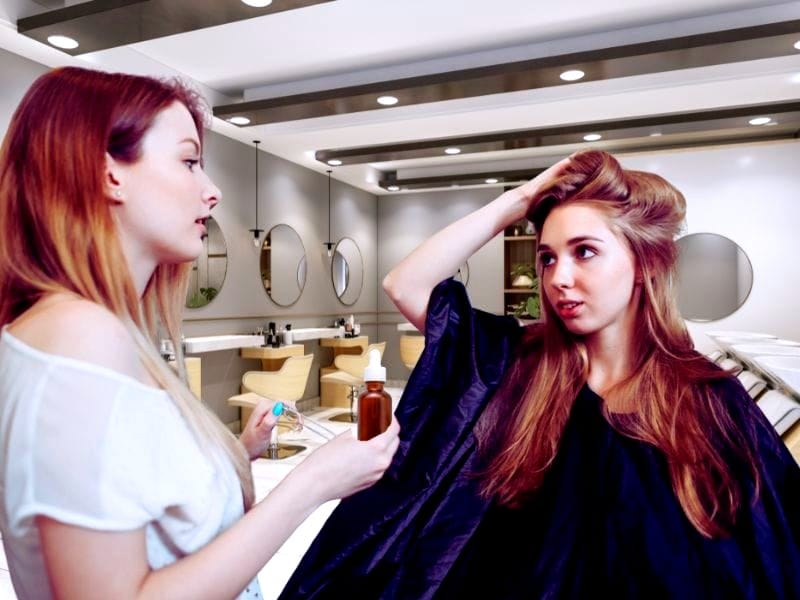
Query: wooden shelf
519	291
519	238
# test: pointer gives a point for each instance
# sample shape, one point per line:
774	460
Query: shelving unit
518	248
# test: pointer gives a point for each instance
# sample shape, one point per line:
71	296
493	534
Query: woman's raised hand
529	189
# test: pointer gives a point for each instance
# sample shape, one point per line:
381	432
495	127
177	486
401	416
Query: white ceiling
350	42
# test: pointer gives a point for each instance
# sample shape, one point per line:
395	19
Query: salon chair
411	347
350	372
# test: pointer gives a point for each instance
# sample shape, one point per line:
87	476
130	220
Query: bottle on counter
374	404
348	327
288	336
269	335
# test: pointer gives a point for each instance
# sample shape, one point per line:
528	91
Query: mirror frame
295	269
740	251
205	253
333	280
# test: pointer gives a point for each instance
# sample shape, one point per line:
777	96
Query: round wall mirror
208	269
347	271
283	265
462	274
714	276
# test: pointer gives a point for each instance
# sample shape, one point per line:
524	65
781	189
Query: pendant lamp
329	244
256	231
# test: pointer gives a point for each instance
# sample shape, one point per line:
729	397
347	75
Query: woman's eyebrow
193	142
573	241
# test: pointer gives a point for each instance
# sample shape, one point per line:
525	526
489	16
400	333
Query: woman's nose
562	274
212	194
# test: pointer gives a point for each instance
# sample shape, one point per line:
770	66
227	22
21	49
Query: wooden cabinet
193	374
272	358
519	273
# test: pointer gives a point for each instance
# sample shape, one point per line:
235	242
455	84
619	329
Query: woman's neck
141	264
610	355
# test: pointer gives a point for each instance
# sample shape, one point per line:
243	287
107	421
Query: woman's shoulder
75	328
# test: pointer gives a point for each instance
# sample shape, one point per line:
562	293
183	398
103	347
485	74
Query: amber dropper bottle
374	404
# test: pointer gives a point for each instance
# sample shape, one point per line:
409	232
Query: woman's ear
112	180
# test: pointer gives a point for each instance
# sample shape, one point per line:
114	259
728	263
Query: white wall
748	193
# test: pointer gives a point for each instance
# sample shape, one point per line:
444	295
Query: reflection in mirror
714	276
208	269
347	271
462	274
283	265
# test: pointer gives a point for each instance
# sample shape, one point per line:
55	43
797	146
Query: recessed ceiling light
656	134
63	42
572	75
592	137
239	120
387	100
797	45
257	3
393	188
334	162
770	123
759	121
452	150
491	180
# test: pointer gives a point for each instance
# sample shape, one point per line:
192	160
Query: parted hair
58	232
678	408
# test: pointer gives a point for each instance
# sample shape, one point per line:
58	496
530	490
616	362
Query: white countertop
316	333
212	343
406	327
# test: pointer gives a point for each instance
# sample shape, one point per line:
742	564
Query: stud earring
117	194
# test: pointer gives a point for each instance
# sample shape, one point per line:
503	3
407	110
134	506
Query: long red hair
678	410
57	228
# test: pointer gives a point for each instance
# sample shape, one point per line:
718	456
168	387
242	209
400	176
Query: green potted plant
530	307
523	275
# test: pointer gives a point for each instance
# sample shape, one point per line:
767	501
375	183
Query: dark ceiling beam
786	114
390	182
702	50
444	181
102	24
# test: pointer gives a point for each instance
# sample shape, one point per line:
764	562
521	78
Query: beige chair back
411	347
287	383
354	364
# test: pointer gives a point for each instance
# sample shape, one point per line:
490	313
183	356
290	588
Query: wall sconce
256	231
329	244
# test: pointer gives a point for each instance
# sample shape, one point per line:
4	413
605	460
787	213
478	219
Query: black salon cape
605	523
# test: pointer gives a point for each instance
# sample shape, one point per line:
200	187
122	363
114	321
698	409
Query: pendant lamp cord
256	142
329	205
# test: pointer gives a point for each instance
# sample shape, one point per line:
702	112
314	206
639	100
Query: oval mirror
283	265
462	274
208	269
347	271
714	276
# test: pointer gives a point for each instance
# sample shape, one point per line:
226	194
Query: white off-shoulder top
90	447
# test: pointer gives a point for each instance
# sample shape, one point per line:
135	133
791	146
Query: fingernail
277	410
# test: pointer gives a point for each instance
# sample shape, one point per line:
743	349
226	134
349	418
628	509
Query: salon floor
267	474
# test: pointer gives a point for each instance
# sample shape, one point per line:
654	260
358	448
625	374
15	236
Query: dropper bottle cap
374	371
